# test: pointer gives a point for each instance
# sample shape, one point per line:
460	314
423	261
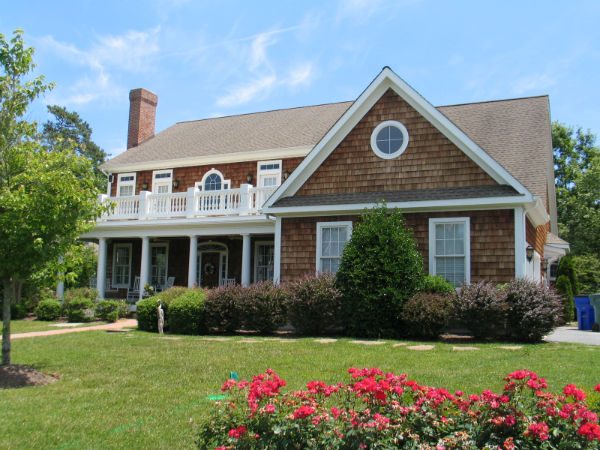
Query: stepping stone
325	341
217	339
464	349
249	341
421	347
400	344
368	342
171	338
511	347
283	340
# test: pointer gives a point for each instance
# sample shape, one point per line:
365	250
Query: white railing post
144	204
245	200
190	204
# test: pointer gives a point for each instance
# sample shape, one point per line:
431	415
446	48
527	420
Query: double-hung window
331	239
159	256
162	180
449	249
121	265
269	173
264	256
126	185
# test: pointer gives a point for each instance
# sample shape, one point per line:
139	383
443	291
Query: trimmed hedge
186	313
436	284
48	309
222	308
426	315
481	307
146	309
314	305
77	309
262	307
110	310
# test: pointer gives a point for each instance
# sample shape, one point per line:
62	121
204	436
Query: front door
209	269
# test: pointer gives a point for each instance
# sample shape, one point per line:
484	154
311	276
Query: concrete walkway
123	323
574	335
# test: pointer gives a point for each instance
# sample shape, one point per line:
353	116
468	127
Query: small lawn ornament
161	317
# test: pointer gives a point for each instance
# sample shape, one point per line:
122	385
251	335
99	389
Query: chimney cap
143	94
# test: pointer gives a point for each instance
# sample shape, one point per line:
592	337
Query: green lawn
139	391
27	326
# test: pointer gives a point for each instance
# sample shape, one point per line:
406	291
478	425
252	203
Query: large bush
381	269
80	309
146	309
262	307
370	410
48	309
314	304
426	315
222	308
110	310
533	310
481	308
436	284
564	288
186	313
587	268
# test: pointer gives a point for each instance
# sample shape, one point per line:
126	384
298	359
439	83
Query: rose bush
376	410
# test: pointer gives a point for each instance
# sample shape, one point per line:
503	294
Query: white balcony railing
193	203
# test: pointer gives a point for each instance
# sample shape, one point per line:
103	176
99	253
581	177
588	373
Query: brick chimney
142	113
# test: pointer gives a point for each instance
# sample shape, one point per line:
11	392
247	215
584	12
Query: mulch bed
14	376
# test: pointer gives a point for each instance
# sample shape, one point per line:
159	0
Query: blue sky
207	59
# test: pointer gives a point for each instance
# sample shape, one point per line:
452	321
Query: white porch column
520	243
277	251
145	266
246	265
60	285
193	262
101	270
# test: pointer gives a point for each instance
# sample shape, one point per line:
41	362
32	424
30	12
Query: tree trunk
17	291
6	322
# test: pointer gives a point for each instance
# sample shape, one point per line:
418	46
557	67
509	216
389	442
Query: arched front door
212	264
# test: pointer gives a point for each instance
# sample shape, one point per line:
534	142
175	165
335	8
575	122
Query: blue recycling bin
585	313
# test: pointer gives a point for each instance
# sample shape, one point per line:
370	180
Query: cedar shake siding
187	176
430	160
492	242
536	237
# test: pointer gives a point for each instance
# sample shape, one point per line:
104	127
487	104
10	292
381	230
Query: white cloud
258	54
302	74
534	82
247	92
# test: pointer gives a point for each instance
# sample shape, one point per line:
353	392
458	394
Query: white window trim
121	285
256	245
320	226
126	183
223	262
161	181
439	220
225	184
268	172
160	244
378	128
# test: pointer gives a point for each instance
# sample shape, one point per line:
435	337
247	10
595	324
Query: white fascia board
259	155
430	205
385	80
537	213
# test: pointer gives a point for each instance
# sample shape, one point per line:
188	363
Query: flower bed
387	411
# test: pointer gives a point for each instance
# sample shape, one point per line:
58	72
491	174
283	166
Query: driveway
572	334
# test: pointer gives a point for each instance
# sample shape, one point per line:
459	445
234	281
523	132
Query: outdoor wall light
249	178
175	183
529	253
286	174
145	186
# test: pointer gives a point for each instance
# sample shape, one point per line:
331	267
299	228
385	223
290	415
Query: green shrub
426	315
533	310
110	310
18	311
186	313
48	309
381	269
262	307
587	268
565	289
567	267
482	308
83	292
436	284
146	311
222	308
80	309
314	304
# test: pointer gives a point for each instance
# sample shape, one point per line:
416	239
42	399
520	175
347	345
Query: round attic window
389	139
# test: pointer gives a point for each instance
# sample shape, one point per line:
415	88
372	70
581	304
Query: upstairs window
269	173
213	180
126	185
449	249
162	181
389	139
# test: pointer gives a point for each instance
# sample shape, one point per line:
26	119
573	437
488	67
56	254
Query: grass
28	326
140	391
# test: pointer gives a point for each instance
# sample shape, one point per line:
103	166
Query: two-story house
274	195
